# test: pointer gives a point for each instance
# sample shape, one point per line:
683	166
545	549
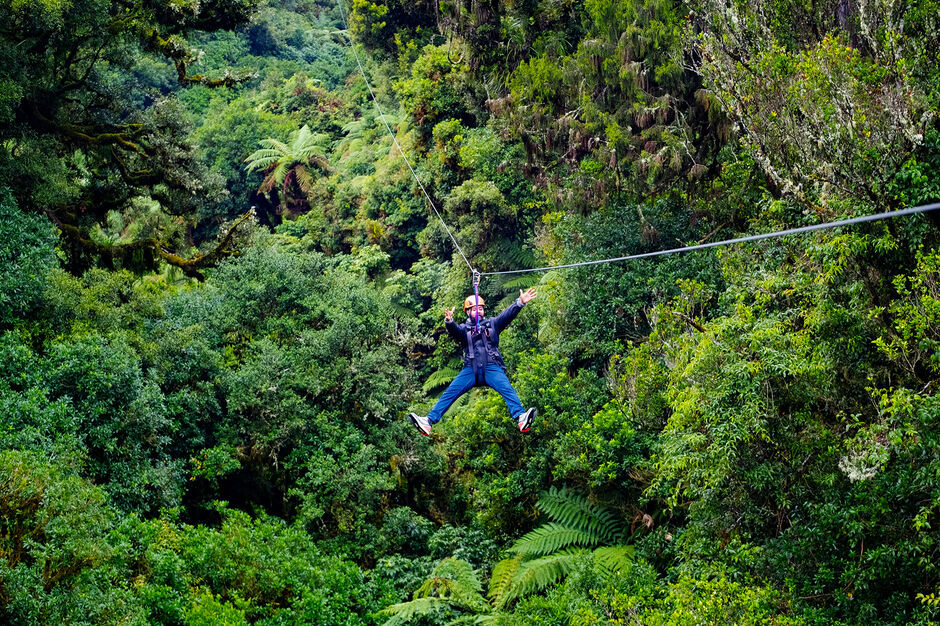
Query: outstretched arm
504	318
457	333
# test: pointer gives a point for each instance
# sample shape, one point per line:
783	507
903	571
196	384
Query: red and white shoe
525	420
421	423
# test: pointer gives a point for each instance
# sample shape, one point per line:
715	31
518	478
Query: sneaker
525	420
421	423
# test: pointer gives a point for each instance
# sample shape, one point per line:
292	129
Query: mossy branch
191	267
182	55
120	136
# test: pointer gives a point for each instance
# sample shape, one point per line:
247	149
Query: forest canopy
222	290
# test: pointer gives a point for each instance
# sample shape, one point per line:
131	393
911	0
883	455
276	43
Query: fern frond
513	253
301	138
273	144
403	312
440	378
574	510
456	582
459	571
406	611
538	574
311	150
473	619
613	559
267	184
354	127
280	172
522	282
553	537
501	581
305	178
262	159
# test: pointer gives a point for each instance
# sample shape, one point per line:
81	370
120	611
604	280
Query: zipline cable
375	101
779	233
726	242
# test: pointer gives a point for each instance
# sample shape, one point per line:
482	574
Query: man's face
475	312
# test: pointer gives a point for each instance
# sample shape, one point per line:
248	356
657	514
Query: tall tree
291	166
86	129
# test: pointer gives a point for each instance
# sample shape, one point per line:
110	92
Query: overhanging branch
191	267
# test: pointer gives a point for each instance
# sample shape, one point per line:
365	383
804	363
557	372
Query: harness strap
476	295
479	365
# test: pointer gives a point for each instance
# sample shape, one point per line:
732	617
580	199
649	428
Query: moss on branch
191	267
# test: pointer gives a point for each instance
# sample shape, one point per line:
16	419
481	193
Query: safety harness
479	364
478	329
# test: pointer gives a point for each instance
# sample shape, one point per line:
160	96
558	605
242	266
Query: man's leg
497	379
459	386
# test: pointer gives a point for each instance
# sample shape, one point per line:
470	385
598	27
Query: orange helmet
472	301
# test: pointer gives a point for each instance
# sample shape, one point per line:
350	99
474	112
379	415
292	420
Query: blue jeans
495	378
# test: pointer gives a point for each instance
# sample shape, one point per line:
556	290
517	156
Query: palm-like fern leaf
262	159
538	574
304	149
354	128
455	580
501	581
305	178
440	378
522	282
404	612
575	511
578	526
613	559
273	144
453	583
553	537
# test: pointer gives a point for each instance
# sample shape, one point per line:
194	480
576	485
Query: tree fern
613	559
512	253
501	581
454	580
575	511
523	281
452	585
553	537
406	611
303	151
440	378
547	554
543	572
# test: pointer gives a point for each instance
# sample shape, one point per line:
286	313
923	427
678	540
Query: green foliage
207	610
702	601
620	107
290	165
452	585
55	551
551	552
26	257
121	420
597	308
913	341
761	420
825	117
438	89
93	130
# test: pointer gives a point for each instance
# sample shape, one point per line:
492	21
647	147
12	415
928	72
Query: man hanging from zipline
483	364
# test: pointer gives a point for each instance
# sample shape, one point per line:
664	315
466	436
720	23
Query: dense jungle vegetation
221	291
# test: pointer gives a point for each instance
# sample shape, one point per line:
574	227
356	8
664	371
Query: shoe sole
524	428
418	426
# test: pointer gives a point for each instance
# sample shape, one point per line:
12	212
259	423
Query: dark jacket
488	337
